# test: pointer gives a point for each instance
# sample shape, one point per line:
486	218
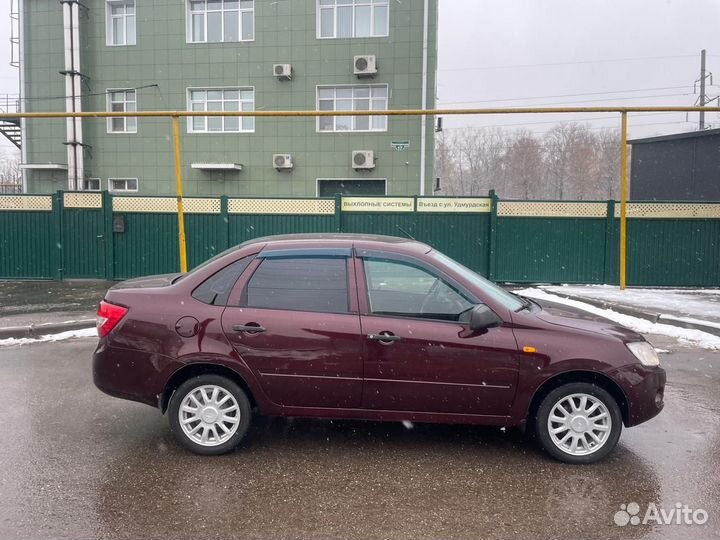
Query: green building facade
160	55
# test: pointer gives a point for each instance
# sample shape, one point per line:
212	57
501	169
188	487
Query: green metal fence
80	235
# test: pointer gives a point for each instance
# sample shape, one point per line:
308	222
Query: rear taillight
108	316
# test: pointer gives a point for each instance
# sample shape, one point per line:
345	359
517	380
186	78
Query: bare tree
10	175
608	150
478	161
447	165
568	162
523	166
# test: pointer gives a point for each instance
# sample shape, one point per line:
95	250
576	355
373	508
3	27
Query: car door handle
249	328
384	337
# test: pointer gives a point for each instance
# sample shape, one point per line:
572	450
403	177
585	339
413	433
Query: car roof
366	241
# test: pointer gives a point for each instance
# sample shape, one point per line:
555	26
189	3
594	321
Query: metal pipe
179	192
623	201
69	98
423	106
21	108
701	124
77	96
398	112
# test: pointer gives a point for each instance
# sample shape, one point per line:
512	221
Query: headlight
644	352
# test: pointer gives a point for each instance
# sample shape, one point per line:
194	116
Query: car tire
209	414
578	423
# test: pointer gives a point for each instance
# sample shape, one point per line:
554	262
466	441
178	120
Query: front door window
401	289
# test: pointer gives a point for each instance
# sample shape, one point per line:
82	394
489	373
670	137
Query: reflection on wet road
79	464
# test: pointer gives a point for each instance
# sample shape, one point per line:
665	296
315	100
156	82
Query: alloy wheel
579	424
209	415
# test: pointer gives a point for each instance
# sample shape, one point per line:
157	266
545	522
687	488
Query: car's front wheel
209	414
578	423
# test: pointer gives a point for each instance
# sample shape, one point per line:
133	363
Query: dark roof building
680	167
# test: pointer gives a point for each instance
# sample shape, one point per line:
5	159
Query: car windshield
487	287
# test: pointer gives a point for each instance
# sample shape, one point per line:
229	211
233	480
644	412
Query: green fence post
223	226
338	213
57	249
492	243
611	245
109	235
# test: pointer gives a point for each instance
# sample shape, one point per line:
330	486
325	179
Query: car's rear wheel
578	423
209	414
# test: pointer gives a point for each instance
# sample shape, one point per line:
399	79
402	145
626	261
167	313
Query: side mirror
482	318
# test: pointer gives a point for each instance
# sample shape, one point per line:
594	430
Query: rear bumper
644	389
127	374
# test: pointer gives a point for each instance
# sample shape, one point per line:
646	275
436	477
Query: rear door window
317	284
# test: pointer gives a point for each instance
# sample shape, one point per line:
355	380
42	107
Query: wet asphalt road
78	464
43	297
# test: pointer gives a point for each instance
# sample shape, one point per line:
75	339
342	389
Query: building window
91	184
213	21
122	101
352	98
122	185
353	18
329	187
221	99
120	15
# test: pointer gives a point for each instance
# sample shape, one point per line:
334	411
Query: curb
639	313
44	329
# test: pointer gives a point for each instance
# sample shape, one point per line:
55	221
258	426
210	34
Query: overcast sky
497	53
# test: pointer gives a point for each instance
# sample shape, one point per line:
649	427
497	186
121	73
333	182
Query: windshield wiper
526	304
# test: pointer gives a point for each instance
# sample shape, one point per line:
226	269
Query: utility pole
703	97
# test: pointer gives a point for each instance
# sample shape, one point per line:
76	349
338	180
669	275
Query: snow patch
703	322
83	333
699	304
689	336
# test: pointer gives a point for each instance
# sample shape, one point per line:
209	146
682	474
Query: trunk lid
147	282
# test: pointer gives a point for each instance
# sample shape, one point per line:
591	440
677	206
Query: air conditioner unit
282	71
365	65
282	161
363	159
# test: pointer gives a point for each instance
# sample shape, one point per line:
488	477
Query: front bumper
644	389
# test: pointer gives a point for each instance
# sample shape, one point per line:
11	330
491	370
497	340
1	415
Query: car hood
572	321
147	282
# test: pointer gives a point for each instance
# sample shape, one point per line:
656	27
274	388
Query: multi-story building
230	55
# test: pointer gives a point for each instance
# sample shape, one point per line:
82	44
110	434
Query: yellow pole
397	112
623	201
179	191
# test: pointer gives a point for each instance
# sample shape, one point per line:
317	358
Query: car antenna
410	236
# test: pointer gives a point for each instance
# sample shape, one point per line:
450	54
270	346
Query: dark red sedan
366	327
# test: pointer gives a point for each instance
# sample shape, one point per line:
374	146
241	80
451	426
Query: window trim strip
292	253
